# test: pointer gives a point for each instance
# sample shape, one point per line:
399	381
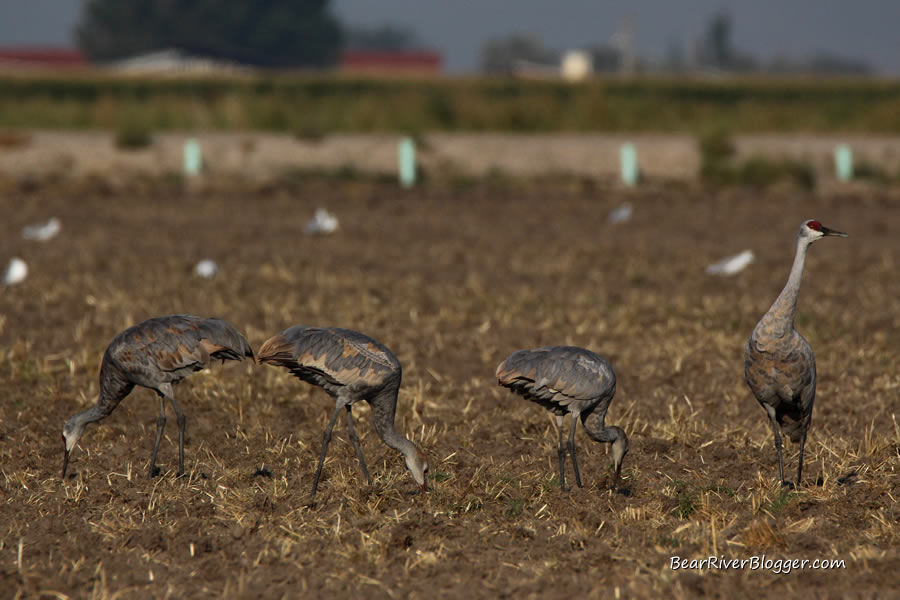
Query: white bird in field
621	214
731	265
206	268
322	222
16	272
41	232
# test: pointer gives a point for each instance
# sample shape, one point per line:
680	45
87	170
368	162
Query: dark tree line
267	33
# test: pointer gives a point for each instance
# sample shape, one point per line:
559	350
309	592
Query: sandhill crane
568	380
349	366
779	364
157	354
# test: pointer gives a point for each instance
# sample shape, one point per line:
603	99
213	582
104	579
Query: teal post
193	158
628	162
406	155
843	162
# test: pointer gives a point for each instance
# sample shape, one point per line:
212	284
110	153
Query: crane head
813	230
71	433
418	467
619	450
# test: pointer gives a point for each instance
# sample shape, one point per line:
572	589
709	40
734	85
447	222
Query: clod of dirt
847	479
526	533
236	531
264	505
402	536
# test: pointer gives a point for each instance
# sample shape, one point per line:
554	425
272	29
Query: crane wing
557	375
330	358
177	343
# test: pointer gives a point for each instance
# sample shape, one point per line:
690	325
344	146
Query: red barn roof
42	57
391	62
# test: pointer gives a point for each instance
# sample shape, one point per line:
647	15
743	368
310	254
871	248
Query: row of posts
629	166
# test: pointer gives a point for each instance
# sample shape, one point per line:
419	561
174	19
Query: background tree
718	50
384	38
605	58
506	54
269	33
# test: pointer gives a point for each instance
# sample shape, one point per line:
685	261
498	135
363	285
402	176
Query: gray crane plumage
568	380
779	364
157	354
349	366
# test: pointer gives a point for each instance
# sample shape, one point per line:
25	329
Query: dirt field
453	280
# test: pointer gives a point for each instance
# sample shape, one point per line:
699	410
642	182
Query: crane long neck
594	422
91	415
384	408
786	304
114	386
110	396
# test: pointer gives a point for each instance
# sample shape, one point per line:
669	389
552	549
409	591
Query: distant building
173	61
42	58
401	62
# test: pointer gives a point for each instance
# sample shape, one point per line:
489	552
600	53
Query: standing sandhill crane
779	364
568	380
157	354
350	366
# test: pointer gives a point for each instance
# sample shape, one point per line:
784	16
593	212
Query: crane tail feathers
276	350
222	341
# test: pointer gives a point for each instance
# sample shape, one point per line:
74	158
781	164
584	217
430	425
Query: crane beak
828	231
65	464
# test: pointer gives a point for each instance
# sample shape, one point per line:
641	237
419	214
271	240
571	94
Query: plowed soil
453	280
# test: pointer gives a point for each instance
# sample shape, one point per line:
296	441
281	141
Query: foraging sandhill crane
568	380
349	366
157	354
779	364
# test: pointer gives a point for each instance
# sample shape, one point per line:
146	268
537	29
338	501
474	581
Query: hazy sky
865	29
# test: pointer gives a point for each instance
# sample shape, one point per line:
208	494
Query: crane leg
571	446
326	437
354	439
561	452
181	420
160	425
776	430
800	462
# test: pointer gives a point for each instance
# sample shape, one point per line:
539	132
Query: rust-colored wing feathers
330	358
276	350
177	343
183	356
222	340
557	376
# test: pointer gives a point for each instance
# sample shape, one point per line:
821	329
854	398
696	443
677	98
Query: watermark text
756	563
